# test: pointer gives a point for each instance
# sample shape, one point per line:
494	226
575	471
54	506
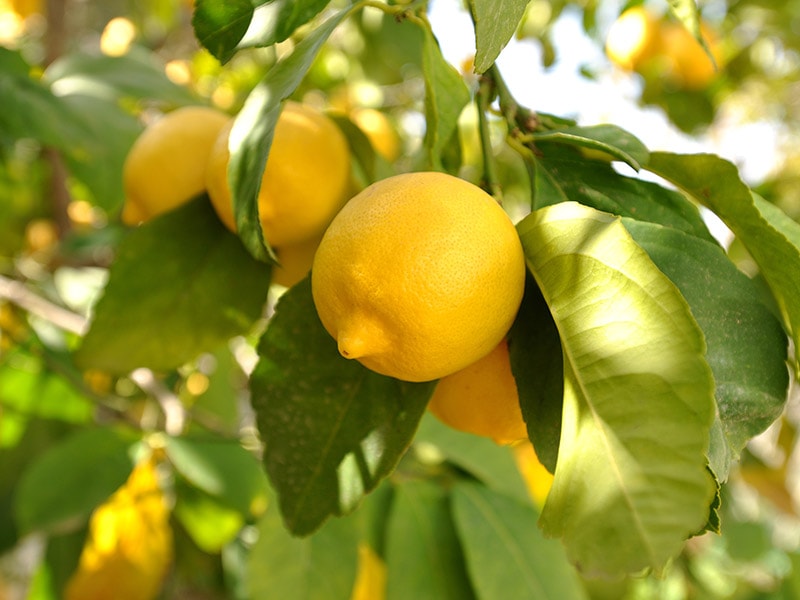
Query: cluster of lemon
419	276
644	42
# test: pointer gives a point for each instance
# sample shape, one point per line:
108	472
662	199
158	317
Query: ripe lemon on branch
306	179
165	166
418	276
482	398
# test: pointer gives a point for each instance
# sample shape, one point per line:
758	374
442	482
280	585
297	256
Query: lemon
633	38
688	64
371	575
482	398
166	165
379	131
306	179
418	276
294	262
537	478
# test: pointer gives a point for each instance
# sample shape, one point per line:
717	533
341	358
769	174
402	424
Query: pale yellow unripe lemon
633	38
482	398
166	165
305	182
418	276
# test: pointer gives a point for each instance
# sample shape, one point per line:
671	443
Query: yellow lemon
537	478
166	165
688	64
418	276
294	262
633	38
306	179
129	547
482	398
379	131
371	575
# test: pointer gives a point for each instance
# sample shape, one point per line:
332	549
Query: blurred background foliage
78	82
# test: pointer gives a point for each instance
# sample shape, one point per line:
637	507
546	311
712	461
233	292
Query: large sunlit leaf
254	127
746	344
180	285
715	183
507	555
319	567
71	479
631	483
423	554
495	23
332	429
610	140
561	174
446	95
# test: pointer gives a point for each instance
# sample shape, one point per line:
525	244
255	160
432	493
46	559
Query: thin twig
19	294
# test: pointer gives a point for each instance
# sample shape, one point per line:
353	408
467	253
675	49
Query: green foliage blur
79	84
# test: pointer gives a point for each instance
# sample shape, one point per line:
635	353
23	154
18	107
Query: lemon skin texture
305	182
418	276
165	166
482	399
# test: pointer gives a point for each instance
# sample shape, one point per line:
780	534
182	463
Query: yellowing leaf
129	545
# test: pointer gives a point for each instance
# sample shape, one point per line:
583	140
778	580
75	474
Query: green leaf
210	524
223	469
446	95
715	183
746	344
332	428
507	556
538	368
609	139
136	74
319	567
220	25
565	176
254	127
180	285
71	479
423	556
631	482
224	28
495	23
492	464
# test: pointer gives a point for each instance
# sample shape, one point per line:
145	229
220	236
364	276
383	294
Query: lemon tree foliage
176	420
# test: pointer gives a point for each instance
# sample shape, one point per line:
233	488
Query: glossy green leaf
746	344
495	24
332	428
561	174
631	482
254	127
180	285
484	459
538	367
423	556
318	567
609	139
220	25
71	479
507	555
446	95
223	469
715	183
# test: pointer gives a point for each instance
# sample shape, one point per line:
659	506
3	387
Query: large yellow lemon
306	179
418	276
166	165
482	398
